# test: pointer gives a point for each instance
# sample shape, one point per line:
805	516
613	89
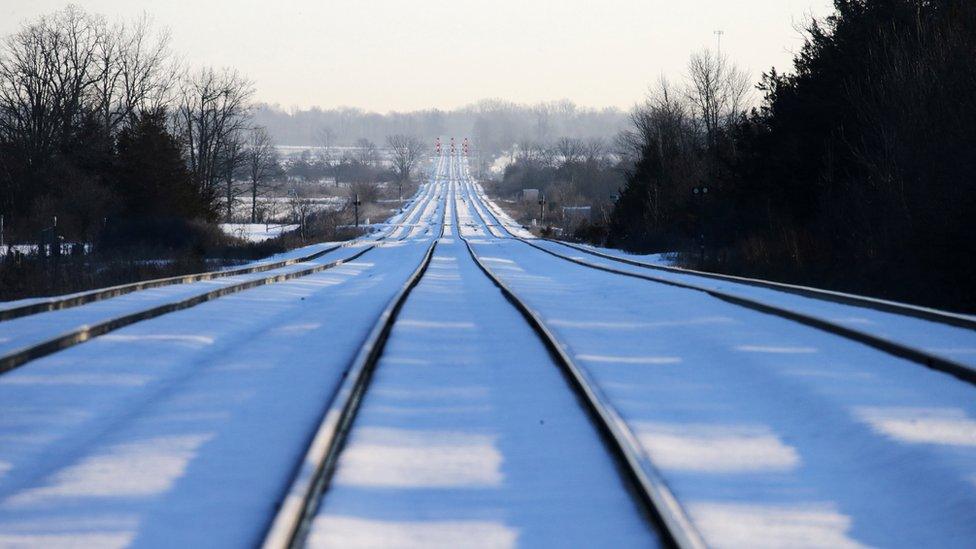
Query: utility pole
542	209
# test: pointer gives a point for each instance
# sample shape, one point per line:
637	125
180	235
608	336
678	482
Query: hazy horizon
386	56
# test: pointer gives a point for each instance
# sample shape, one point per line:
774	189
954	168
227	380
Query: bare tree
47	71
231	161
326	139
70	66
343	165
719	91
665	125
594	150
301	208
571	150
366	153
366	191
261	163
136	71
213	108
407	152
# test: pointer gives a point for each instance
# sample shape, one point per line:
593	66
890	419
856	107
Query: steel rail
84	333
666	512
905	309
91	296
883	305
290	524
959	370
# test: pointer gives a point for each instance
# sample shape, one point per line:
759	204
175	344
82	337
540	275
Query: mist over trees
854	172
493	125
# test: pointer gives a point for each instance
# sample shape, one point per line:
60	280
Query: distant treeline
492	125
856	171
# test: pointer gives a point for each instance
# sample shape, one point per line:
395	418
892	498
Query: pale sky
412	54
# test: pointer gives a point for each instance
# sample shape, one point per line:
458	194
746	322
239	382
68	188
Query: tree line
493	125
568	172
854	171
101	124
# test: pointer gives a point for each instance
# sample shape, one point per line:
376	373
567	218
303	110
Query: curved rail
86	332
82	298
961	371
90	296
883	305
668	515
924	313
290	524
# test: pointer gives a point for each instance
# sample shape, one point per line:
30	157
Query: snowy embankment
668	259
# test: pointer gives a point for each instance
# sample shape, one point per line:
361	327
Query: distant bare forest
493	125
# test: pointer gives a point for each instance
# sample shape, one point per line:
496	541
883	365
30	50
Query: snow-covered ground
767	429
256	232
951	342
665	259
468	446
186	429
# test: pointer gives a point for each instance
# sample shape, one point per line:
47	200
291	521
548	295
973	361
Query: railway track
81	298
290	524
893	347
85	331
636	396
669	516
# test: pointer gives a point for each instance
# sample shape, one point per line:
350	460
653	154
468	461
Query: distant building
529	195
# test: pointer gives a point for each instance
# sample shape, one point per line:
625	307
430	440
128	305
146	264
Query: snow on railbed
951	342
290	254
470	445
764	428
184	430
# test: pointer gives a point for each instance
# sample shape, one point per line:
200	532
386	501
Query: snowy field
256	232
